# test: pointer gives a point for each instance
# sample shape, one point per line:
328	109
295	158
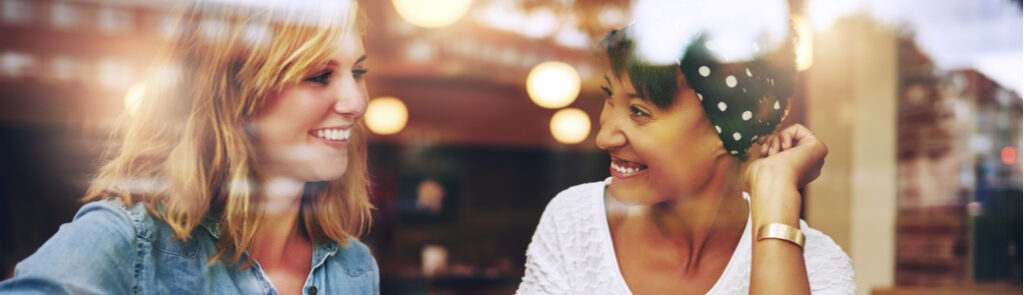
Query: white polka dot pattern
732	93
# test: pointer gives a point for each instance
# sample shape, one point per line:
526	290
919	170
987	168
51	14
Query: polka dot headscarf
743	100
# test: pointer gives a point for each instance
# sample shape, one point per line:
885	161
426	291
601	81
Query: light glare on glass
133	98
805	43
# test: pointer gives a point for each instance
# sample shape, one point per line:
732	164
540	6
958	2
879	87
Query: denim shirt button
311	290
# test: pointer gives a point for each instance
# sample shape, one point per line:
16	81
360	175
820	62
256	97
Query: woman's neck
279	224
713	217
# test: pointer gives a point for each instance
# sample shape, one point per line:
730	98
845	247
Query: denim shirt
112	249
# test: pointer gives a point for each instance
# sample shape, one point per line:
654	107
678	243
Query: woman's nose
350	98
610	135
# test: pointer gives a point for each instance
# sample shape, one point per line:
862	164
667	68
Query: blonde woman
243	170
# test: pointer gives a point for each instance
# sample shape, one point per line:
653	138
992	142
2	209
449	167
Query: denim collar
212	225
321	251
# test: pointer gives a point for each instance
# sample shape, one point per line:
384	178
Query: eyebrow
630	95
335	62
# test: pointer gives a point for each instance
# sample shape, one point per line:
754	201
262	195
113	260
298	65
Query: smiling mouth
627	168
333	134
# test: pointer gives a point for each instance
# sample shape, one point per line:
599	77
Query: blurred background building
483	110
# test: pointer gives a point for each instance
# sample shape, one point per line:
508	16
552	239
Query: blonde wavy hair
188	152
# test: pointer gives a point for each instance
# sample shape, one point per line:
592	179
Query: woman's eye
358	74
607	91
637	112
322	78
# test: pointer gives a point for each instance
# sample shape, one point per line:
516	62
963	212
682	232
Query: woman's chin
629	195
328	171
330	175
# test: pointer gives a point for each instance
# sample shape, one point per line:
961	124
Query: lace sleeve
829	269
545	271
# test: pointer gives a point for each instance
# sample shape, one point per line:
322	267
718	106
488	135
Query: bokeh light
737	29
133	98
386	115
1009	155
805	42
553	84
431	13
570	125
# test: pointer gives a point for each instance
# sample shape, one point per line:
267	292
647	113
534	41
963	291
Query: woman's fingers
783	139
793	135
763	142
774	146
787	138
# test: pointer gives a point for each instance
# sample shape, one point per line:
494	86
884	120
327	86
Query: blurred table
448	284
979	289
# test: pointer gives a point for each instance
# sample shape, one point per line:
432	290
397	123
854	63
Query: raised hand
790	154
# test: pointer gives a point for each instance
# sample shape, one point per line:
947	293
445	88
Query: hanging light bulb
431	13
553	84
386	115
570	125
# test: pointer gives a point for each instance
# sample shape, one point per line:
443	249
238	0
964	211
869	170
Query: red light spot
1009	155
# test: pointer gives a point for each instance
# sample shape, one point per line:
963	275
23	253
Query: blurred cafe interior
482	111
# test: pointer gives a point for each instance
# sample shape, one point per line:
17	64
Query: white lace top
572	253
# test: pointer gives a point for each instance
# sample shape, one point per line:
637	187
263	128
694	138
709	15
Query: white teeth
625	170
333	134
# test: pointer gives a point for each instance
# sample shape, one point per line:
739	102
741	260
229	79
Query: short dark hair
743	99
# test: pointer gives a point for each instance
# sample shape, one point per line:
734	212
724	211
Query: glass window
17	64
114	20
114	74
65	15
63	68
167	25
17	11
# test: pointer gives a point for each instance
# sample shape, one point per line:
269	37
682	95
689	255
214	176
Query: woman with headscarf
703	195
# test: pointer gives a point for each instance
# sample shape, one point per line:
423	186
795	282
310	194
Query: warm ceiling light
386	115
553	84
431	13
570	125
805	43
